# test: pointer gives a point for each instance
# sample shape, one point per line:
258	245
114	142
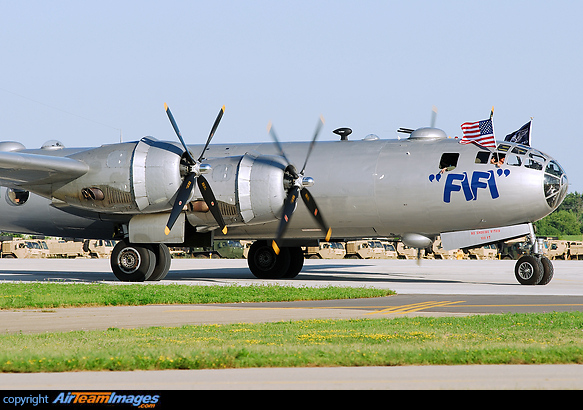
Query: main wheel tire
132	263
529	270
296	262
548	271
163	260
264	263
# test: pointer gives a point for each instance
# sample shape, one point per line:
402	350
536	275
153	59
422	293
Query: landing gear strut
264	263
140	262
534	269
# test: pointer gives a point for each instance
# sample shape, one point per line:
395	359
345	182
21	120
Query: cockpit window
448	161
519	150
538	156
554	169
532	164
555	185
504	147
513	160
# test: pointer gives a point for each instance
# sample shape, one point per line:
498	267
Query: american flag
480	132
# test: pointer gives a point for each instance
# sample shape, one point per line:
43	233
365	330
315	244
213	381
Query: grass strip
58	295
489	339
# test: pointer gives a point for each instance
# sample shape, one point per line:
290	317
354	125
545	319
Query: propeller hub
199	169
204	168
307	182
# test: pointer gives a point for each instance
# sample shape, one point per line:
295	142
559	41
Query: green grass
56	295
491	339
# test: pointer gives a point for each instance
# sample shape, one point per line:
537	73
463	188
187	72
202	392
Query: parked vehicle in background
575	250
23	249
390	251
484	252
99	248
512	249
325	250
438	252
406	252
59	248
364	249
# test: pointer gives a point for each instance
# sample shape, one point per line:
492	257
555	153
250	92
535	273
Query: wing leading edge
19	169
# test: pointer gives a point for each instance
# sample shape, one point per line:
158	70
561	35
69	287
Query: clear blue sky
78	71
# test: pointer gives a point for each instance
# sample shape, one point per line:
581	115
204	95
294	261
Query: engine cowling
155	174
260	188
250	190
144	177
126	178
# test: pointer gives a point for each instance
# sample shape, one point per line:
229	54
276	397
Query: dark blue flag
521	136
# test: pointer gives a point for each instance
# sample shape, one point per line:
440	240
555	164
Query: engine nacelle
144	177
260	188
156	174
249	190
127	178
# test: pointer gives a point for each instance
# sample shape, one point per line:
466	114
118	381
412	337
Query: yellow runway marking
414	307
529	305
401	309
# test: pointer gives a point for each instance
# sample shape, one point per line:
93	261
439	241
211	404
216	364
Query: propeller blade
288	210
175	126
313	208
213	129
277	143
318	128
181	198
211	201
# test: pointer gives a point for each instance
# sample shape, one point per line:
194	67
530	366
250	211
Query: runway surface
431	288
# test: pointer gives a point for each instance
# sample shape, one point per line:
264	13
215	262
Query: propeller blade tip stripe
223	108
224	230
167	231
275	247
269	126
328	234
165	107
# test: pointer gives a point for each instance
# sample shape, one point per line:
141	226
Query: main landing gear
265	264
140	262
534	269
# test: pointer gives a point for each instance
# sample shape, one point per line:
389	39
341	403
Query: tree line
567	219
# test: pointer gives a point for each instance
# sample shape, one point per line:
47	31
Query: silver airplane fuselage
365	188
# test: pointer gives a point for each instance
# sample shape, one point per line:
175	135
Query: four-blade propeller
195	172
299	184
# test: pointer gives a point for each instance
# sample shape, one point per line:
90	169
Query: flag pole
492	112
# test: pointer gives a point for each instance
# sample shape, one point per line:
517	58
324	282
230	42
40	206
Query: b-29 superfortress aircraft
149	194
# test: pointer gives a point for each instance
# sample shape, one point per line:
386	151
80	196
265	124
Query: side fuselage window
482	157
448	161
16	196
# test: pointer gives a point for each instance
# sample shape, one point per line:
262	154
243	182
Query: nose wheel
533	270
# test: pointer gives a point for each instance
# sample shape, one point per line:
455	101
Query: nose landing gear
534	269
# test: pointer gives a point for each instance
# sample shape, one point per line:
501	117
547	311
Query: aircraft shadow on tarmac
331	273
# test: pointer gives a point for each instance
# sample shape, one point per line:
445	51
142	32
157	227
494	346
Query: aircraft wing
19	169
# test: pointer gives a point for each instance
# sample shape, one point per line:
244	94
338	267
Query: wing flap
19	169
